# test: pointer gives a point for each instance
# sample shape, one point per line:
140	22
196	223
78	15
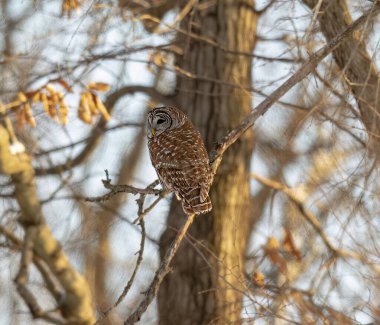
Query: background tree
216	106
293	236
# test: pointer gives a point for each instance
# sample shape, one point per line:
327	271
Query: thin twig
314	222
51	283
150	208
162	271
138	263
21	279
308	67
263	10
115	189
141	213
36	310
100	128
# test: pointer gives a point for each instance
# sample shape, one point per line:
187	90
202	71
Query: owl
180	158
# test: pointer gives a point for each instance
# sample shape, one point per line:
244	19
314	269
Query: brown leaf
289	245
21	97
50	89
63	112
92	104
84	112
258	279
29	115
36	97
45	103
102	109
98	86
271	250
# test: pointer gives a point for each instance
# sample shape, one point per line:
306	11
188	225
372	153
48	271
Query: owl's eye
160	121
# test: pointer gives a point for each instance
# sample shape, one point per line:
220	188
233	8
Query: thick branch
352	58
307	68
77	303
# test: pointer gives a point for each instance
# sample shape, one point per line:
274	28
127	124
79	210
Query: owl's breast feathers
181	161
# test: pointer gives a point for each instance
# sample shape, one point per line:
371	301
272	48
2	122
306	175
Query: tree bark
207	271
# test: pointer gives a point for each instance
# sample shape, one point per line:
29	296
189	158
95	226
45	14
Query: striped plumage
180	158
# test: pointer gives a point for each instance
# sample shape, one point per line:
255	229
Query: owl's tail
192	203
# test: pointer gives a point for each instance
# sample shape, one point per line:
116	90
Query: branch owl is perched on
180	158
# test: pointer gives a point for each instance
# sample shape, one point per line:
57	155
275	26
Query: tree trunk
207	271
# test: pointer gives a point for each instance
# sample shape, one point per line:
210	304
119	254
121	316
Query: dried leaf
60	96
21	97
271	250
98	86
272	243
53	112
36	97
158	59
68	6
290	246
52	109
50	89
84	112
29	115
63	112
45	103
92	104
258	279
102	109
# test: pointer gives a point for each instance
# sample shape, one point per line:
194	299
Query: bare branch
77	302
314	222
86	139
356	65
140	213
115	189
101	127
21	279
308	67
50	281
162	271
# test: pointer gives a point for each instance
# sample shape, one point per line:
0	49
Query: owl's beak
153	132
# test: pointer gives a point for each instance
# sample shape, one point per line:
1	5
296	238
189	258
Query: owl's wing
195	177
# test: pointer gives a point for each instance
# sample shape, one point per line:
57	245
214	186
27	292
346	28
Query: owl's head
164	118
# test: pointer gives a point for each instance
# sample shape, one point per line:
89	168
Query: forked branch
308	67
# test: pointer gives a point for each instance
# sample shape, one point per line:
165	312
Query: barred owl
180	158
